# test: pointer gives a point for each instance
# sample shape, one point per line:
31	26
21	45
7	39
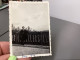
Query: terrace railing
34	38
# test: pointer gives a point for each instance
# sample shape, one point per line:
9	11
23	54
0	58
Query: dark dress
23	35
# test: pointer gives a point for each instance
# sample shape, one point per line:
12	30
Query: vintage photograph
29	26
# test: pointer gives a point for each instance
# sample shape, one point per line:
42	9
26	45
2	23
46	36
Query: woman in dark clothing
23	35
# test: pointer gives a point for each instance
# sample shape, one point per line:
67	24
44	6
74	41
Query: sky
35	15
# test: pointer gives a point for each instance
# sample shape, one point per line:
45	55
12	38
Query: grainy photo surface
29	29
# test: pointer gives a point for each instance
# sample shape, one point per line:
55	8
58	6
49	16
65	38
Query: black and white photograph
29	29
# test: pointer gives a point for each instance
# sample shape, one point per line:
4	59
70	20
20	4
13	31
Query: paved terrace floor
19	50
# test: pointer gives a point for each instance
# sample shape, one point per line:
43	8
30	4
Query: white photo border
10	32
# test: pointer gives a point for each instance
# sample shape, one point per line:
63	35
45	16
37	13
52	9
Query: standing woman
22	35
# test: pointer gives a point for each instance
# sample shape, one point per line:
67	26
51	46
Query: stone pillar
0	2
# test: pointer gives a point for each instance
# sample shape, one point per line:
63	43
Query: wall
68	10
0	2
68	47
